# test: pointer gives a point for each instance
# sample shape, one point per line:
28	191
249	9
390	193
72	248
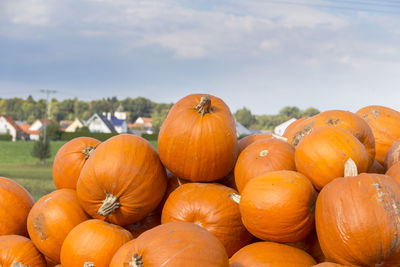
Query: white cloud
31	12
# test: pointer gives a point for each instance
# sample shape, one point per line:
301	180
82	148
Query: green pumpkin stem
204	105
110	205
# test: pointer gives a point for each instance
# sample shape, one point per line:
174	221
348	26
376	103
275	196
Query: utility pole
46	115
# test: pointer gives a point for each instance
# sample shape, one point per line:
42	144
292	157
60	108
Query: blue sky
262	54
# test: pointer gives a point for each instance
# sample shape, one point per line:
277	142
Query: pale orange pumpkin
197	140
248	140
17	251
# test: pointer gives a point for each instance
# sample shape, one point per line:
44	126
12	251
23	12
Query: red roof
25	128
11	121
147	120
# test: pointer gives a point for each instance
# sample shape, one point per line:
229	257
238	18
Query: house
76	124
9	126
143	124
36	127
64	124
99	123
280	129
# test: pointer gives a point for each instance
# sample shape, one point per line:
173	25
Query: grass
17	163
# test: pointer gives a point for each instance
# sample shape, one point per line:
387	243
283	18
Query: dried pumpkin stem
88	151
88	264
235	197
204	105
136	261
18	264
350	168
279	137
110	204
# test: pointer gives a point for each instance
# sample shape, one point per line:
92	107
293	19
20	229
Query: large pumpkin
289	131
15	203
344	120
263	156
93	242
271	254
174	244
278	206
358	220
197	140
119	257
321	154
248	140
123	181
17	251
392	155
70	159
385	125
52	218
394	172
209	206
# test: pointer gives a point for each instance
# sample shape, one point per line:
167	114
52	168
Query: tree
53	131
290	112
158	115
41	150
309	112
244	117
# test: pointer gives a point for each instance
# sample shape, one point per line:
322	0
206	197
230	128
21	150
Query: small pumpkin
70	159
354	236
17	251
93	242
278	206
263	156
174	244
152	220
271	254
289	131
197	140
52	218
392	155
394	172
376	167
123	181
385	125
15	203
322	153
248	140
119	257
209	206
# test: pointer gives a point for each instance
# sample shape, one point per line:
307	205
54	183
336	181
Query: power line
47	92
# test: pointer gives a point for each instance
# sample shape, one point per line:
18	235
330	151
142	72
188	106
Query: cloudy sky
262	54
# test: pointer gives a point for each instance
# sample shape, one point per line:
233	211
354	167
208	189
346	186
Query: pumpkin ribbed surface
18	249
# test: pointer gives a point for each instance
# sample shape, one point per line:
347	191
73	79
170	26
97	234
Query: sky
261	54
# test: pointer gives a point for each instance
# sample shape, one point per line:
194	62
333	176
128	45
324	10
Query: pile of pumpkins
316	196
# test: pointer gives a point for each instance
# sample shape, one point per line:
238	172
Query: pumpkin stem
88	151
18	264
204	105
235	197
279	137
110	204
88	264
136	261
350	168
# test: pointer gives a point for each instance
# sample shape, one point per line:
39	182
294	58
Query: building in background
280	129
9	126
142	124
76	124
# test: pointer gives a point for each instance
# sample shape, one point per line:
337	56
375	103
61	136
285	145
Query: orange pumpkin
152	220
289	131
271	254
278	206
174	244
322	153
393	155
228	180
15	203
17	251
385	125
328	264
70	159
52	218
123	181
310	245
93	241
248	140
394	172
376	167
119	257
344	120
197	140
346	220
261	157
209	206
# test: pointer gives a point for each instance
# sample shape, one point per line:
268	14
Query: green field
17	163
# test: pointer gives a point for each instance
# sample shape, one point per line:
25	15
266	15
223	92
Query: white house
74	126
144	124
99	124
8	126
280	129
36	127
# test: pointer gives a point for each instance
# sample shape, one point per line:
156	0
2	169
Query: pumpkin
17	251
394	172
322	153
278	206
310	245
228	180
50	263
376	167
118	258
248	140
344	120
93	242
150	221
209	206
52	218
385	125
293	127
123	181
15	203
197	140
328	264
271	254
392	155
261	157
70	159
174	244
346	220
